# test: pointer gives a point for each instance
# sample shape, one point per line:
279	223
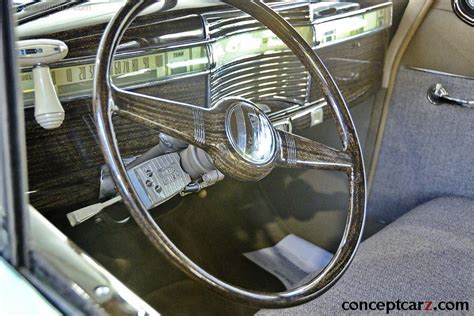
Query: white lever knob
39	53
49	112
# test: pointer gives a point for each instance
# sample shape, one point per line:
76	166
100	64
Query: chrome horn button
250	133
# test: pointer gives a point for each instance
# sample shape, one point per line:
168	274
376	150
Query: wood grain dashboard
65	164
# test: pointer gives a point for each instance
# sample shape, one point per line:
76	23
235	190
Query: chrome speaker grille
221	24
261	77
258	76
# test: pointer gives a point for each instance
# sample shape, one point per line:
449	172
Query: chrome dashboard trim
351	13
212	65
297	110
136	53
153	48
208	41
351	38
169	79
256	75
231	13
317	22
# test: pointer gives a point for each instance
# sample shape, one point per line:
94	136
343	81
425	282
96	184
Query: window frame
58	282
13	152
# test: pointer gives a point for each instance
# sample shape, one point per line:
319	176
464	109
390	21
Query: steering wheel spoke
183	121
300	152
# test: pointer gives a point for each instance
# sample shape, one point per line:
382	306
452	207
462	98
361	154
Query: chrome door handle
438	95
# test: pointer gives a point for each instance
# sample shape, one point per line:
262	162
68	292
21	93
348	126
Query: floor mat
291	260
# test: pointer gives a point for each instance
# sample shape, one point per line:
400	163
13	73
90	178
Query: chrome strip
137	53
173	78
437	72
351	38
199	128
292	150
243	19
298	110
352	13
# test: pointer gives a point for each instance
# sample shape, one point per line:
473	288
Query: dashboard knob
39	53
49	112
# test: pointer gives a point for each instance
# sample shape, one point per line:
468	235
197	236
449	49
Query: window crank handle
438	95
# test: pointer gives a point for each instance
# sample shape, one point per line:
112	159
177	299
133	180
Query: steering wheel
219	132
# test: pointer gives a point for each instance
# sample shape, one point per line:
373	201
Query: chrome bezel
228	116
457	8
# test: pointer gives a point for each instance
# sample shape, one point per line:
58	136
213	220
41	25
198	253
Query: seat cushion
426	255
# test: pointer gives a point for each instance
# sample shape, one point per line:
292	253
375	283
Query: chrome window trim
12	131
437	72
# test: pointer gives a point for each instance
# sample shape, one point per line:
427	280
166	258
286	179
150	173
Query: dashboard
213	46
197	56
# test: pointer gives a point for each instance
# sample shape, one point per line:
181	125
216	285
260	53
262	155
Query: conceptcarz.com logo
391	306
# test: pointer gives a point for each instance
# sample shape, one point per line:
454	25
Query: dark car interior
405	71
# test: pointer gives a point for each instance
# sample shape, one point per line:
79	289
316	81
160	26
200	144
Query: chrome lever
438	95
80	216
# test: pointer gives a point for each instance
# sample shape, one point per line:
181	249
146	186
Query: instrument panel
73	78
217	54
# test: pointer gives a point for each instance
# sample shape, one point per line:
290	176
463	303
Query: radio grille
257	76
276	74
221	24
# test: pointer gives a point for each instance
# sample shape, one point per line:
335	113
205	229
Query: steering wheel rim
104	95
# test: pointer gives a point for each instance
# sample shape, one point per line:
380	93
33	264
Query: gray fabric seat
427	254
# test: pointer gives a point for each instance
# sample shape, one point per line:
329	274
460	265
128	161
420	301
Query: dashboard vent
258	75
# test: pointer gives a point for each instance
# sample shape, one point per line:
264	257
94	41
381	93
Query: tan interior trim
442	43
414	15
